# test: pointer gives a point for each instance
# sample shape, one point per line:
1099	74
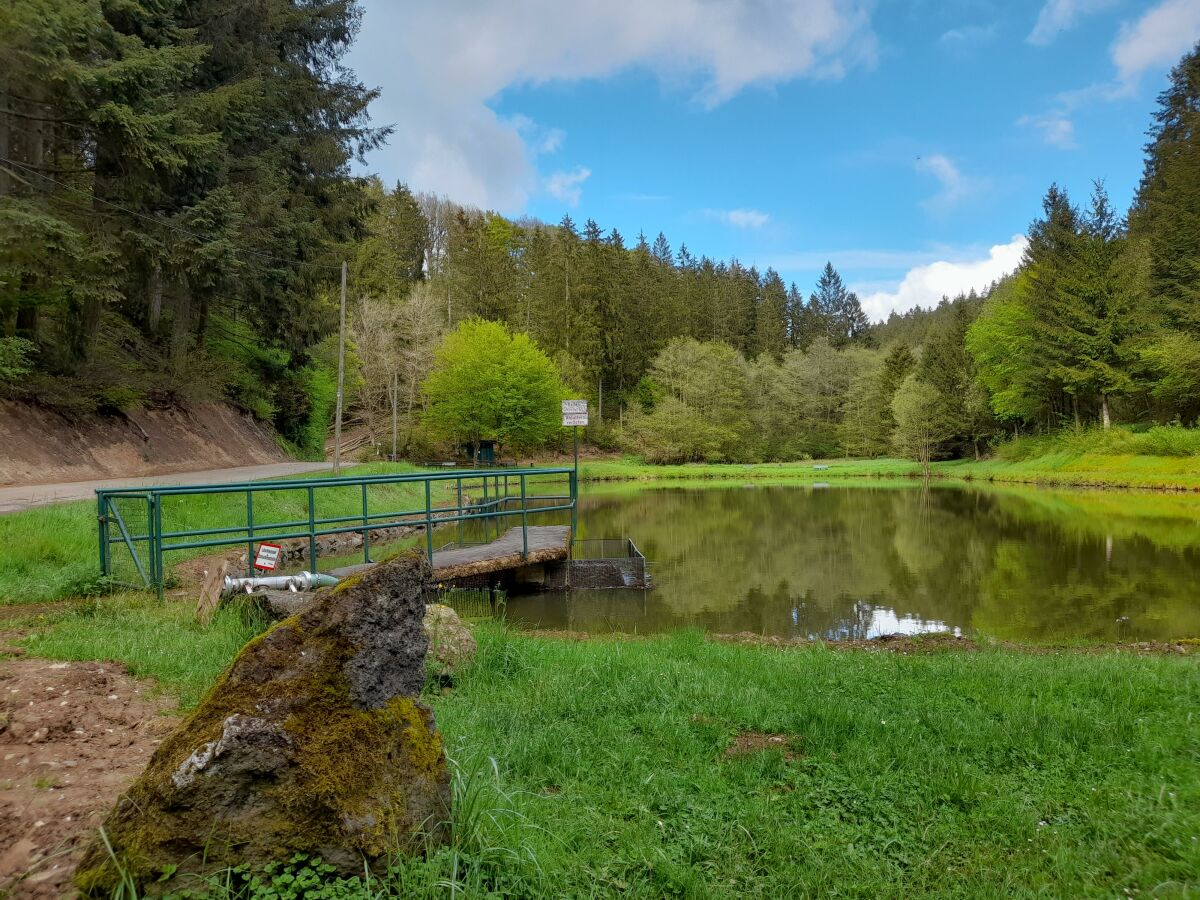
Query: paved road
24	496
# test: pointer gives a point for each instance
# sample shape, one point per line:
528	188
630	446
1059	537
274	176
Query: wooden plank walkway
547	543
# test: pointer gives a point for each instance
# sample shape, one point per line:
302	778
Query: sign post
575	413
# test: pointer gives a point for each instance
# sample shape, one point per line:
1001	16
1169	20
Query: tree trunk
1105	416
154	295
181	326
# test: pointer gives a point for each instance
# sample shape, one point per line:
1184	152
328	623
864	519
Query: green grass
1066	467
599	768
50	552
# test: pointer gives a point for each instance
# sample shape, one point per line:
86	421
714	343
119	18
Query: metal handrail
160	540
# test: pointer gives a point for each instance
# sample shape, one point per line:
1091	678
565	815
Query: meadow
681	766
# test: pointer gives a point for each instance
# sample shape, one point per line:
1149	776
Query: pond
858	561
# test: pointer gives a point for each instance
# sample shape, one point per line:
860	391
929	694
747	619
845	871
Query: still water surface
860	561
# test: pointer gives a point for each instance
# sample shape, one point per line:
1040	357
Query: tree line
175	202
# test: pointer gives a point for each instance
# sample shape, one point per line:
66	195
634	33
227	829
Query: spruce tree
1166	212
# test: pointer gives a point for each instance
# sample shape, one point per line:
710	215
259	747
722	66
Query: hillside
42	446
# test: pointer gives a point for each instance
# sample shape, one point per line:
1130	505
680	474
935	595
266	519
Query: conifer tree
1166	212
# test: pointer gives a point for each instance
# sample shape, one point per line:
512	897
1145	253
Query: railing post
429	519
524	522
460	512
366	530
312	530
249	533
160	577
102	522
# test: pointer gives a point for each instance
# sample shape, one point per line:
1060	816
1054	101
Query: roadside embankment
43	447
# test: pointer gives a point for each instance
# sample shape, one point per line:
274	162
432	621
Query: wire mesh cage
606	563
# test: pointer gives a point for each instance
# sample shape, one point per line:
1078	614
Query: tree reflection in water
858	561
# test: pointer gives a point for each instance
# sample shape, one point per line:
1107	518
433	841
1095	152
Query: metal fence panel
130	548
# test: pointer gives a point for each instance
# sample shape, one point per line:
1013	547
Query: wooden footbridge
139	527
512	550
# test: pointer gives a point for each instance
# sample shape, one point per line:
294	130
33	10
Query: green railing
139	526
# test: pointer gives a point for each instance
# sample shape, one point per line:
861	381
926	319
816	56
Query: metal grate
130	560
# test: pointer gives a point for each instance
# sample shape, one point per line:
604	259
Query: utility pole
337	420
395	402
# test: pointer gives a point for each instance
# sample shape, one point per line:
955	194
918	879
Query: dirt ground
72	737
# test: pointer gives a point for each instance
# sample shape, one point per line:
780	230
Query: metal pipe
301	581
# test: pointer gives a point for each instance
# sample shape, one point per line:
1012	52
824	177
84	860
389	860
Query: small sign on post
574	413
268	557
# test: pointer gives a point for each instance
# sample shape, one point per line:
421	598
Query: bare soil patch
748	742
72	737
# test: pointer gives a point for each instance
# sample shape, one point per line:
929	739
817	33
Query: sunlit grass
600	768
1063	467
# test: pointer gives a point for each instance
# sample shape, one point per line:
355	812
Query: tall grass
1159	440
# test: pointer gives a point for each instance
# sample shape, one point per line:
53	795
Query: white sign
268	557
574	412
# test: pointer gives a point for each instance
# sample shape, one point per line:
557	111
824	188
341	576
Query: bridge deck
547	543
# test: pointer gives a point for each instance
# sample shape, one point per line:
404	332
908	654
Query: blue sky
908	143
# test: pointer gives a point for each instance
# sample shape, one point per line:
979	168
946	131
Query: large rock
451	645
313	742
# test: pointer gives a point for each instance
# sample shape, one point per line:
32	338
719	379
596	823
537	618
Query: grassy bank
1065	468
676	766
49	552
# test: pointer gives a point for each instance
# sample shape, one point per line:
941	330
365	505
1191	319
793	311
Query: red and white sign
268	557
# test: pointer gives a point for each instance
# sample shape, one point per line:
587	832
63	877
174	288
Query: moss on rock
312	742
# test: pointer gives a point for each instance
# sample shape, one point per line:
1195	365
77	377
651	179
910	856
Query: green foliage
15	355
169	177
1166	213
922	420
489	384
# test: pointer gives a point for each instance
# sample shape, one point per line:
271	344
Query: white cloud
1056	129
955	187
567	186
966	39
1061	15
926	285
739	218
440	64
1158	38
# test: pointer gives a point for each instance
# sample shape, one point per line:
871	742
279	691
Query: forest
172	230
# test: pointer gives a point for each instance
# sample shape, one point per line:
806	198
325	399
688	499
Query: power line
163	223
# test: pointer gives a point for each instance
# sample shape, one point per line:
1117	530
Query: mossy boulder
451	644
313	741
